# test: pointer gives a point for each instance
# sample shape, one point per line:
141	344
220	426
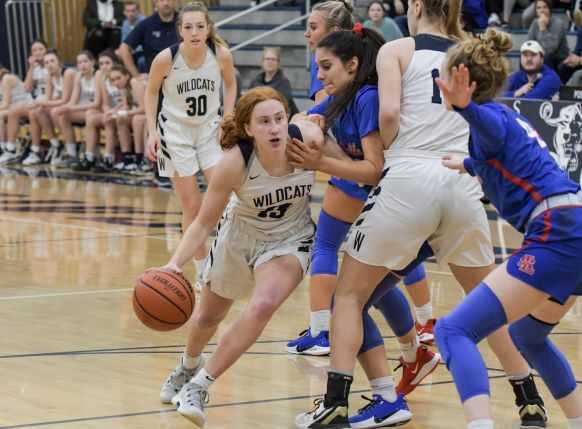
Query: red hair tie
358	29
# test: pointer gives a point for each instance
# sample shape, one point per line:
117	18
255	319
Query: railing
269	32
27	20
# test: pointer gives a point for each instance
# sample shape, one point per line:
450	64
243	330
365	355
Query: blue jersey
358	120
315	85
514	164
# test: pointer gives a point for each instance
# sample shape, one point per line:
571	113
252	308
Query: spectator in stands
534	79
133	17
550	32
102	19
573	62
474	15
381	23
528	14
395	8
155	33
273	76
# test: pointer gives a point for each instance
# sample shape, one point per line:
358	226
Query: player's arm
228	177
159	70
389	89
226	62
137	90
76	94
68	82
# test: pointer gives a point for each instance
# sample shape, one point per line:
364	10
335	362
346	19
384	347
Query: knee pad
396	310
458	333
372	336
329	236
416	275
531	337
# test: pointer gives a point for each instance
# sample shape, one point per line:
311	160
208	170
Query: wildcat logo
526	264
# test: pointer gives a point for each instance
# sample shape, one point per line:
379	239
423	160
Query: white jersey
274	207
427	129
87	94
18	94
115	95
57	87
40	79
191	96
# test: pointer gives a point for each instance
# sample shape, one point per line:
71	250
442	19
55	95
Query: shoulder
223	54
10	80
69	73
396	47
164	58
367	94
232	165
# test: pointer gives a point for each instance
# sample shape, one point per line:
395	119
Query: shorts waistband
556	201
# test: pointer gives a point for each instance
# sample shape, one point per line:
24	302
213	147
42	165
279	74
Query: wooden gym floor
73	355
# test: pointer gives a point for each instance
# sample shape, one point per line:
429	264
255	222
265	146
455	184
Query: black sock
526	391
127	158
338	389
138	158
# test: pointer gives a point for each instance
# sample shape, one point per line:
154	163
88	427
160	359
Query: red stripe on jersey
547	226
527	187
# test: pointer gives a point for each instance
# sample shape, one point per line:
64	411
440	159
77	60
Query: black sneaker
103	166
83	165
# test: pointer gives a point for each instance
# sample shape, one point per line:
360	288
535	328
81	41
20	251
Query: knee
446	329
528	332
262	309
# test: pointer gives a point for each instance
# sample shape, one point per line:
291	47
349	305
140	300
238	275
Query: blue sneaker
381	413
306	344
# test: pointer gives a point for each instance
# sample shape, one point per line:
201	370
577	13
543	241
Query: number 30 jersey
274	207
427	128
191	96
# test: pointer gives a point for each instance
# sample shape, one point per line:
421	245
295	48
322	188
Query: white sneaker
190	402
8	157
53	154
178	378
33	158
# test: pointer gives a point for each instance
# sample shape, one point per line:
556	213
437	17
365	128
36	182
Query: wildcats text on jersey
195	84
282	194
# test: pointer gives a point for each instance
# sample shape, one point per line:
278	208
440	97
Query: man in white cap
534	79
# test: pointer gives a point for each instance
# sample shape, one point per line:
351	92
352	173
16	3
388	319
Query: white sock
481	424
35	149
3	145
190	362
575	423
90	156
319	321
409	350
203	379
71	149
10	147
55	142
384	386
108	157
424	313
516	377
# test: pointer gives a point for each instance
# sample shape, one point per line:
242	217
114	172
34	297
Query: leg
190	200
208	313
93	122
138	126
481	313
34	156
531	336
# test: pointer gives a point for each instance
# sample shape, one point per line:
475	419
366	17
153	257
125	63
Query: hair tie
358	29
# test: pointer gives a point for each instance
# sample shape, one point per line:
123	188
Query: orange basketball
163	300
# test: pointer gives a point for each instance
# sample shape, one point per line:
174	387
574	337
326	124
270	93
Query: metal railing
269	32
27	20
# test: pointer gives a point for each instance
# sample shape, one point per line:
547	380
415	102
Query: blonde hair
197	6
484	57
449	13
233	125
338	13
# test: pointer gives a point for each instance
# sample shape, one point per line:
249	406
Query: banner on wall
559	124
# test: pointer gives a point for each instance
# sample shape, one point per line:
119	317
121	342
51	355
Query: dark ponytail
362	43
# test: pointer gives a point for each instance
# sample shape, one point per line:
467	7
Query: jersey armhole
246	149
174	51
211	46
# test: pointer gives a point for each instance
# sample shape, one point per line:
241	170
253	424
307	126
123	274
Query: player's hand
172	267
454	162
303	155
457	88
152	146
319	120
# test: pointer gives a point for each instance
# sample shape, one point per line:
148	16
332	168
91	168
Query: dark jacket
281	84
91	17
544	88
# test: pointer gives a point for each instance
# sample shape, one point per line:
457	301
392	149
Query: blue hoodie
545	87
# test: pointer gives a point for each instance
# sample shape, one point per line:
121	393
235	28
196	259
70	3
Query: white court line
58	294
86	228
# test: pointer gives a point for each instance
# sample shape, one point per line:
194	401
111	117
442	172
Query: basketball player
537	285
418	208
185	80
343	201
82	99
262	247
14	95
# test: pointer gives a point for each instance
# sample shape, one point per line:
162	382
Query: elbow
389	113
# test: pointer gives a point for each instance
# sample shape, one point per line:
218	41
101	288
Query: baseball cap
532	46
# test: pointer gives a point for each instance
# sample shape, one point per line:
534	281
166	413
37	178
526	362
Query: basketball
163	300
